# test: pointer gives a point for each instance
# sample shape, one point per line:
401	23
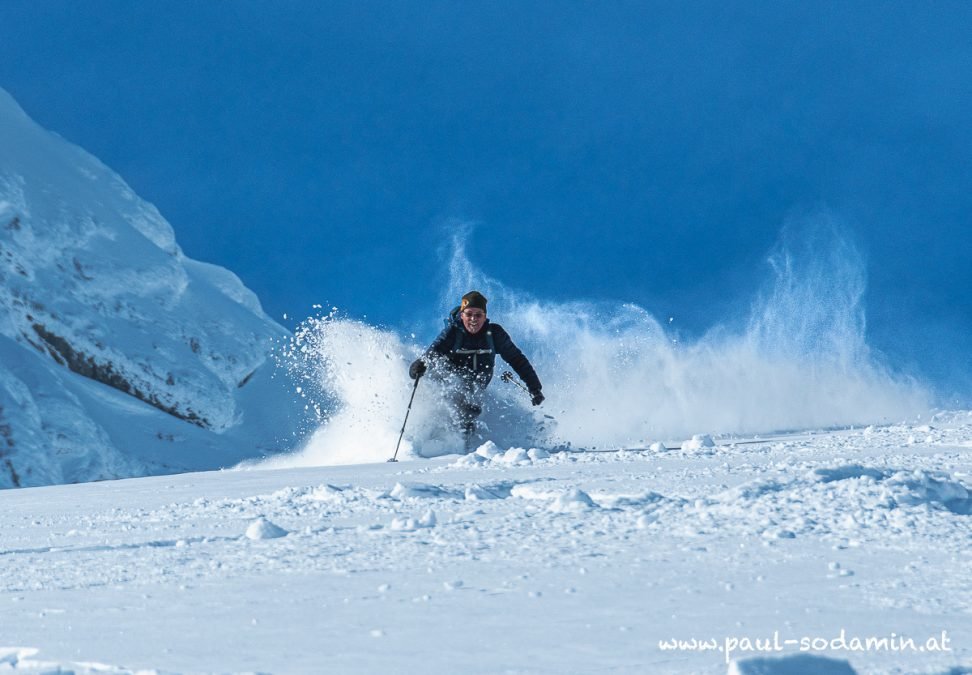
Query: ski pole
414	389
508	377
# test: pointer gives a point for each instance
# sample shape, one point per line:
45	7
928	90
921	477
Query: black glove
536	398
417	369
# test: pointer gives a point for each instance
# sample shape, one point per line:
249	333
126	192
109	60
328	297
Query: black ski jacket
473	356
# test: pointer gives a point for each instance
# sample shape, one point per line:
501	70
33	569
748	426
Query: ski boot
471	439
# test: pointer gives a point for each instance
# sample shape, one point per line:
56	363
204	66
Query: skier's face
473	320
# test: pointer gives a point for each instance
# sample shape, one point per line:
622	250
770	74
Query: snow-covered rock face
95	284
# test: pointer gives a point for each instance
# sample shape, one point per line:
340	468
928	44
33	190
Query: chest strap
475	353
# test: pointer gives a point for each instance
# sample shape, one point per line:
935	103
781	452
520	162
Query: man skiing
464	354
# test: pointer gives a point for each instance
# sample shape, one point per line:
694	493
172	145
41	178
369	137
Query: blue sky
644	152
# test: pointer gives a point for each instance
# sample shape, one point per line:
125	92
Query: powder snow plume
613	376
355	378
801	361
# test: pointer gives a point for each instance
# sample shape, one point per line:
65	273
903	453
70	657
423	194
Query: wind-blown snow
800	359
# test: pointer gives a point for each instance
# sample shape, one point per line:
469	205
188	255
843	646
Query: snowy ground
573	563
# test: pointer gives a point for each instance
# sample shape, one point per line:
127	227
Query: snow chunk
513	456
488	450
428	519
490	453
410	524
698	442
404	524
469	461
261	528
326	493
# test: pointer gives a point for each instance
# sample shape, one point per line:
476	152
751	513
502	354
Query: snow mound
261	528
851	471
572	501
844	500
921	487
698	441
798	664
908	488
403	491
489	492
533	492
327	493
616	501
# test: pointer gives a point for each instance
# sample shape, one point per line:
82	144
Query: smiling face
473	319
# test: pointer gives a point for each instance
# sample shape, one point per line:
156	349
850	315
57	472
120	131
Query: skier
464	355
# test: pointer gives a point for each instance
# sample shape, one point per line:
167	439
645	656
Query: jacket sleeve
440	346
513	356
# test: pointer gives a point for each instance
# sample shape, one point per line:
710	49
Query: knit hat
473	299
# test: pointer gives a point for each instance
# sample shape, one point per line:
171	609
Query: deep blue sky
641	151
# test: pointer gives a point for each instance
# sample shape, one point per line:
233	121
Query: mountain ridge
95	285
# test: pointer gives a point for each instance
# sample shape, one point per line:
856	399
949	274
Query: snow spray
615	376
354	377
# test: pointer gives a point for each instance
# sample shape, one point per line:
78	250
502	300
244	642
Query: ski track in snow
501	561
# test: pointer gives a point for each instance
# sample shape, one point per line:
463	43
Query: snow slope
510	561
119	356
